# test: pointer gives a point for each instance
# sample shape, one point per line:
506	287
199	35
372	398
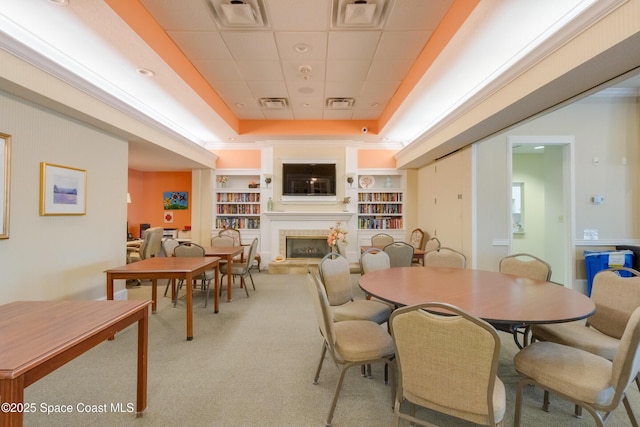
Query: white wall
61	257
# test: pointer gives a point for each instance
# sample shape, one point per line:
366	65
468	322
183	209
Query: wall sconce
267	180
346	202
350	177
128	197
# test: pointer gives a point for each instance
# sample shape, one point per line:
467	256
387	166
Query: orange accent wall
376	159
241	159
146	190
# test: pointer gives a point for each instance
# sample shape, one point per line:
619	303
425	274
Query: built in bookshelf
237	199
380	200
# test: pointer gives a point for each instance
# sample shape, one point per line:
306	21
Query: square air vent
360	13
274	103
239	14
340	103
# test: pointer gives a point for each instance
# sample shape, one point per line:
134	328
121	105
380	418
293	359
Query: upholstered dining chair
374	259
417	240
445	257
433	244
381	240
235	234
335	275
437	370
150	247
400	254
586	379
523	265
616	298
193	250
241	269
348	343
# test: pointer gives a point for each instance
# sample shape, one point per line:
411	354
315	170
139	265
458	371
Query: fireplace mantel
308	216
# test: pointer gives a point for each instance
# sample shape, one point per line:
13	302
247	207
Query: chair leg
322	355
627	406
516	416
545	401
243	284
336	394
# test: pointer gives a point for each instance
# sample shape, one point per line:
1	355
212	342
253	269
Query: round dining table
497	298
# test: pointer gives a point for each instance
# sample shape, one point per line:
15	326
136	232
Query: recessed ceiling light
373	104
231	138
302	48
239	104
60	2
146	72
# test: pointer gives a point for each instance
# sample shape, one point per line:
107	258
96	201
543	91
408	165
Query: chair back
381	240
447	361
525	265
219	241
433	244
615	297
234	233
189	250
445	257
417	238
400	254
168	246
151	243
335	274
322	310
374	259
253	250
627	361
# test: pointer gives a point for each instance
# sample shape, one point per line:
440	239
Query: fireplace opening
306	246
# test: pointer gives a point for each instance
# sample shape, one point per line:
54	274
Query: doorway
541	201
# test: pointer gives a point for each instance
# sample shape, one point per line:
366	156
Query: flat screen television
308	179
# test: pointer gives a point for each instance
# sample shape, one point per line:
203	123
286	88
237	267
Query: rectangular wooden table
37	337
227	253
167	268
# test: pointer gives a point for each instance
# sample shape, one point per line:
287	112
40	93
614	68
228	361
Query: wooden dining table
180	268
497	298
38	337
227	253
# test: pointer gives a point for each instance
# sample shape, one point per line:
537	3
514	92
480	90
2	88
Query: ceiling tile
232	89
401	45
407	15
315	43
306	89
299	15
352	45
251	45
218	70
388	70
190	15
347	70
307	113
268	89
292	71
278	114
379	90
338	114
342	89
260	70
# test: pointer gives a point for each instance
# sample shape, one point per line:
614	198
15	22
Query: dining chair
589	381
400	254
168	246
437	369
374	259
348	343
150	247
528	266
381	240
445	257
616	298
241	269
237	237
192	250
433	244
335	275
416	239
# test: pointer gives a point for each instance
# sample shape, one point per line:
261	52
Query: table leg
143	344
154	295
188	280
229	276
12	391
216	293
109	286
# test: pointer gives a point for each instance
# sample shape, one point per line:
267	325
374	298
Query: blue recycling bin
596	261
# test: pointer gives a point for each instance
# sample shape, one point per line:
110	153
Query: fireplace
306	247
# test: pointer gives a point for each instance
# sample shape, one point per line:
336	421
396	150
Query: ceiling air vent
360	13
239	14
340	103
274	103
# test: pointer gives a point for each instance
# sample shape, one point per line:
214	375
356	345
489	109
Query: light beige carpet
251	364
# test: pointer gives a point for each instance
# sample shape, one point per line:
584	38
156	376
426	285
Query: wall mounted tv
308	179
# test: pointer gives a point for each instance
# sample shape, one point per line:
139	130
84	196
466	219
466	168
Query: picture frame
5	180
175	200
63	190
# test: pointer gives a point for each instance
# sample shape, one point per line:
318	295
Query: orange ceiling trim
307	127
453	20
139	19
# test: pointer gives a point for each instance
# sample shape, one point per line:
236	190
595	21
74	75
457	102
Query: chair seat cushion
361	340
568	370
362	310
576	334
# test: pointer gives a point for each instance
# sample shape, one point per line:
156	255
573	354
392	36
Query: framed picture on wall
63	190
5	175
175	200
